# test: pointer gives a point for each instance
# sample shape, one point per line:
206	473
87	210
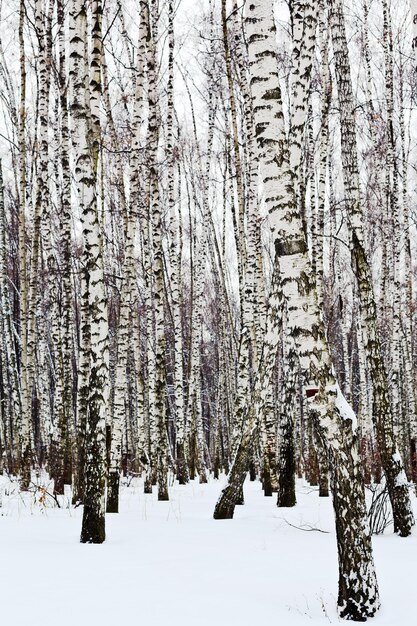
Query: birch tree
85	97
382	411
358	591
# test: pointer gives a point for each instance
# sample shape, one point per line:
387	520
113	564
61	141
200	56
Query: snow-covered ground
170	563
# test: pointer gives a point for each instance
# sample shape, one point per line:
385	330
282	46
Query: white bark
358	595
85	139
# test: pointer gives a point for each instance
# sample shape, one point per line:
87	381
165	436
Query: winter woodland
208	218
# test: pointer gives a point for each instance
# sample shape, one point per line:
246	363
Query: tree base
252	471
182	468
93	527
224	509
113	493
240	497
163	495
324	487
147	485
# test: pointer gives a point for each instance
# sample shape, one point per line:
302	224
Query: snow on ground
170	563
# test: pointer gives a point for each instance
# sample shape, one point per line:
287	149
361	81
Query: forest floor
170	563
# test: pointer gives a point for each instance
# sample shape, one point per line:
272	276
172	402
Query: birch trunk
175	256
86	139
255	407
158	267
25	427
128	287
65	415
10	374
358	592
382	411
304	19
286	474
409	278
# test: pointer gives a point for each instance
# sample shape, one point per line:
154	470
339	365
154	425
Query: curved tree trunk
382	411
358	591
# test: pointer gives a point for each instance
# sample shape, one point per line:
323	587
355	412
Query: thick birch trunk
358	592
86	139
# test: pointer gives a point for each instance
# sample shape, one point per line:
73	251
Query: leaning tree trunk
382	411
255	407
358	591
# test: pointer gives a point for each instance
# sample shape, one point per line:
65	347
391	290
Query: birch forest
208	305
